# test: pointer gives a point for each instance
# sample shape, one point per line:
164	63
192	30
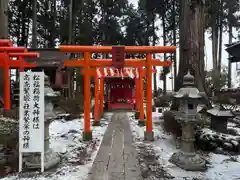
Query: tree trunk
165	56
220	37
215	48
34	24
79	76
174	43
229	42
154	43
3	34
192	42
70	29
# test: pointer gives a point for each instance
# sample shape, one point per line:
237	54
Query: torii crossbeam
7	53
86	62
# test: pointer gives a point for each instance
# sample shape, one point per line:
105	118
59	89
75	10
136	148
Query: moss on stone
87	136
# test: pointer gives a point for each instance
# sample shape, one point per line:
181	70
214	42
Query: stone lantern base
188	161
33	161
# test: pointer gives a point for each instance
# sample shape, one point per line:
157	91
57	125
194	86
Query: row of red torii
93	67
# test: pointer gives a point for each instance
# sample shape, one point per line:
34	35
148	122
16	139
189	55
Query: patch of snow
66	139
221	167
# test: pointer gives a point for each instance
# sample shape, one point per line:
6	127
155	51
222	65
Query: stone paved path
117	156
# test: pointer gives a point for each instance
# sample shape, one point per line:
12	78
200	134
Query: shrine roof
234	50
220	111
48	58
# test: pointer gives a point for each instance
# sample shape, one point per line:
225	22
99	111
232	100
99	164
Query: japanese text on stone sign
36	101
31	115
26	112
31	109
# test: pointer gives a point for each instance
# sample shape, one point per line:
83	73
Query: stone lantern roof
188	90
220	111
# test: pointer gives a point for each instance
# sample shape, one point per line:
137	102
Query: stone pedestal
96	123
148	136
141	122
33	160
87	136
186	158
188	161
187	115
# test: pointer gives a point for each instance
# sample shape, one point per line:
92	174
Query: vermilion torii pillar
96	102
99	93
101	98
7	52
87	63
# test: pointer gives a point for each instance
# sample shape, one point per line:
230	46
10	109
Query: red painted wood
118	56
121	92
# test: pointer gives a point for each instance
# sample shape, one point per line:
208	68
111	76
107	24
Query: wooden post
148	135
141	95
7	64
87	133
96	103
21	69
101	96
87	63
137	93
7	90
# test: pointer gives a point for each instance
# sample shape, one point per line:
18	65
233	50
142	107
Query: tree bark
191	45
3	34
174	43
34	24
229	41
154	43
220	37
192	42
165	56
70	30
214	27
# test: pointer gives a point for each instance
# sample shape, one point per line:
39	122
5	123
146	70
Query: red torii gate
100	96
7	53
118	59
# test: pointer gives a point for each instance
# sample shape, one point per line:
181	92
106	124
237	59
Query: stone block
148	136
96	123
87	136
141	122
188	161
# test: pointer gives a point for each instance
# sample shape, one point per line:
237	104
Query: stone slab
117	156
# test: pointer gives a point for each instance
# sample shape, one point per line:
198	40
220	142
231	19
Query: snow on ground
77	156
221	167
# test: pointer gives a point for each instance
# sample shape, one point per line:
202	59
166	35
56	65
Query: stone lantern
219	118
33	161
187	116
